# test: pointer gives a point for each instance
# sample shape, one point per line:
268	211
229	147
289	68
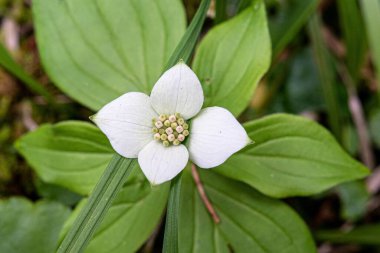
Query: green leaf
7	62
371	14
97	50
250	222
131	219
28	227
283	28
367	234
353	33
98	204
71	154
291	156
233	57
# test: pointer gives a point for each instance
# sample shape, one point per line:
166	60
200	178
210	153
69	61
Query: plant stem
203	194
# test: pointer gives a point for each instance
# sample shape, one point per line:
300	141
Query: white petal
127	122
161	164
215	135
178	90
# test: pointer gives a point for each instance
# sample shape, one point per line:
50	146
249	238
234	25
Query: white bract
154	129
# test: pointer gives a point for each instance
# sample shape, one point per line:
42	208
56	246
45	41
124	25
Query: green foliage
354	199
371	14
97	50
250	222
284	27
28	227
134	214
366	234
327	75
291	156
303	90
71	154
233	57
100	200
353	29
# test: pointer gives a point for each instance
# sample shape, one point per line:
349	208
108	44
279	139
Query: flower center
170	129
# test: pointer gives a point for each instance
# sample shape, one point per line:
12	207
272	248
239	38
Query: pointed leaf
72	154
291	156
233	57
97	50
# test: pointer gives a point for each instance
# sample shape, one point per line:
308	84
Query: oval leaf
250	222
97	50
28	227
72	154
233	57
292	156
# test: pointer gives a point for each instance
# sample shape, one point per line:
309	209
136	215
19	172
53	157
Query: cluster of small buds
170	129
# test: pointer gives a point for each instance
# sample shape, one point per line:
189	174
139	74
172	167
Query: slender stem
203	195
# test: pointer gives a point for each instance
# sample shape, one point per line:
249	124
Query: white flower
155	129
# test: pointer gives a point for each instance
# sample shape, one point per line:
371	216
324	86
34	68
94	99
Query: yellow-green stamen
170	129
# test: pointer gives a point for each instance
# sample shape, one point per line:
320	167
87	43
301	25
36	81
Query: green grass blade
352	26
186	45
99	202
183	51
327	74
7	62
371	14
171	226
220	11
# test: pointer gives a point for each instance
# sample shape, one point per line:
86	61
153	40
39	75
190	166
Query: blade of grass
171	226
186	46
327	75
371	14
7	62
99	202
183	51
351	23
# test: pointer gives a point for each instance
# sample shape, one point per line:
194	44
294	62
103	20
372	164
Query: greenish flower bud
164	137
176	142
155	130
185	126
161	131
174	125
181	121
167	123
185	132
162	117
165	143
